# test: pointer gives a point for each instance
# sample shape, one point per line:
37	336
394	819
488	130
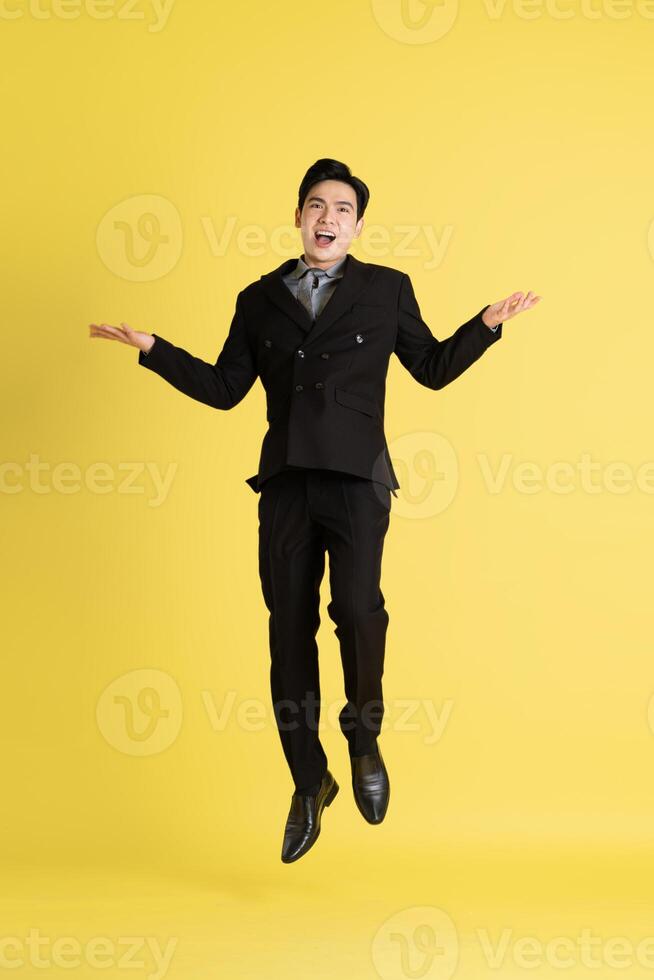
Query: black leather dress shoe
303	823
371	785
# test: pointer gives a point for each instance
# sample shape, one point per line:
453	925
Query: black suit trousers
303	515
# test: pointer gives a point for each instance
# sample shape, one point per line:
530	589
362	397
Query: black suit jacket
325	381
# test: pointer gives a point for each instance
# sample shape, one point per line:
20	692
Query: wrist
494	327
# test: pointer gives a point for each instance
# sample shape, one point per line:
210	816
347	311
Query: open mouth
324	238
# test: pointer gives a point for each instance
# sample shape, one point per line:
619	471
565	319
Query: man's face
330	207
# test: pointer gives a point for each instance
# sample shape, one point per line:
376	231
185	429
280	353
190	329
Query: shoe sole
329	799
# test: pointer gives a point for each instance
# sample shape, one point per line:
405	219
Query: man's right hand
123	333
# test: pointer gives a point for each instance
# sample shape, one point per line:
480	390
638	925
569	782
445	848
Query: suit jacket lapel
356	276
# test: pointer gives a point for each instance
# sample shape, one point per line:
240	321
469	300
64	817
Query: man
319	332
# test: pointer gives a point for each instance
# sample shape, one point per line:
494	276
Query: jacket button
268	343
300	353
299	387
325	356
359	338
319	384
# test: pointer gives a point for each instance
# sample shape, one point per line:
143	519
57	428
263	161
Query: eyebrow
322	201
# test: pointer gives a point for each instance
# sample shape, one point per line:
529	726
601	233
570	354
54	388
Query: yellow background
523	136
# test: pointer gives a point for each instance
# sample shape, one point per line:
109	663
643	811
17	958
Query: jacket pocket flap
358	402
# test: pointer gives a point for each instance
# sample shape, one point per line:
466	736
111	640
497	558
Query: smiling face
328	222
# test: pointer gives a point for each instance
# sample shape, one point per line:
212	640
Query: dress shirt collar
334	272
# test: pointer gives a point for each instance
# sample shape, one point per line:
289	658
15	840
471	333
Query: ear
358	228
297	217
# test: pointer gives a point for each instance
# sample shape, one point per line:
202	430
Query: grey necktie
308	288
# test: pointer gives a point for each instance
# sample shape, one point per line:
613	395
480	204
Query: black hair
327	169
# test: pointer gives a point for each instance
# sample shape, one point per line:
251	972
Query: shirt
326	282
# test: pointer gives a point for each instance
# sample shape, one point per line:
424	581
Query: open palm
123	333
506	308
